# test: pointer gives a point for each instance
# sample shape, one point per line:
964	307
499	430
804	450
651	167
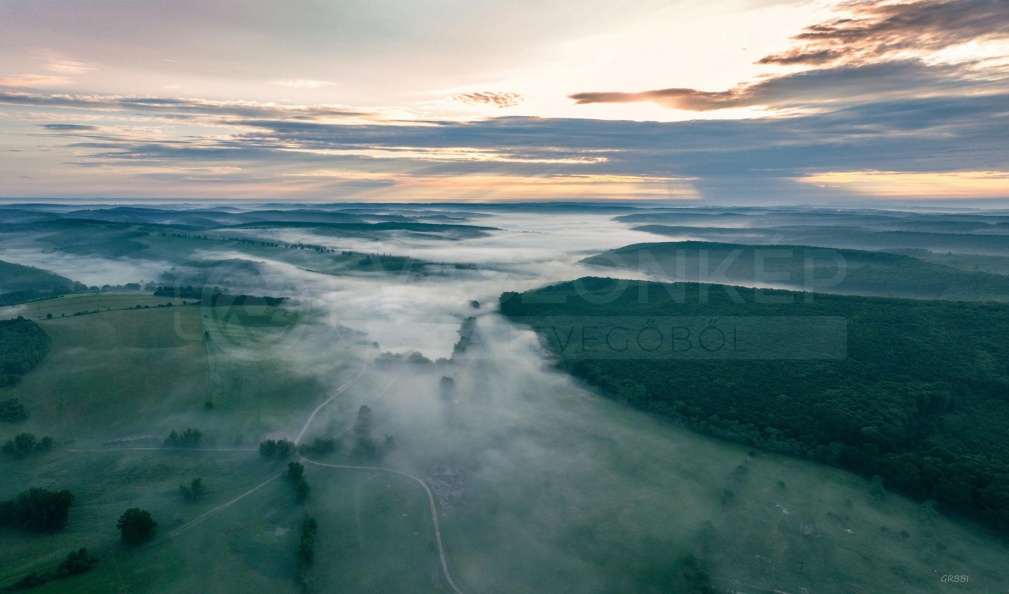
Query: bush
271	448
189	438
319	446
76	562
25	444
11	410
195	490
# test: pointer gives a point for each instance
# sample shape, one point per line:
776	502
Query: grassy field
116	374
70	304
562	491
240	547
375	533
541	486
133	376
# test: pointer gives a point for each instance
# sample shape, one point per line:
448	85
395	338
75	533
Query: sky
734	101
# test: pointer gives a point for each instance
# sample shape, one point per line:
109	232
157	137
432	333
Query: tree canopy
136	526
23	345
37	510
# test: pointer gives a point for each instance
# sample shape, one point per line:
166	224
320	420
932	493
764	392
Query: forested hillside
23	283
918	395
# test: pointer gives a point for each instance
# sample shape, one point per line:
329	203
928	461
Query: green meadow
540	485
68	305
567	492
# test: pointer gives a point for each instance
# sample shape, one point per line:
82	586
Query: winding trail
430	501
347	384
215	510
418	480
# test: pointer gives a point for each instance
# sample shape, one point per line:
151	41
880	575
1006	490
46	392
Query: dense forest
23	345
842	271
918	394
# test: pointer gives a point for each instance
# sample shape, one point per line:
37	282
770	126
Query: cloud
678	98
880	50
35	81
950	184
720	159
875	30
489	98
67	66
183	107
64	70
69	127
811	88
923	126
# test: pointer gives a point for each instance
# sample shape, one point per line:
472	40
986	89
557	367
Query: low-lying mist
541	484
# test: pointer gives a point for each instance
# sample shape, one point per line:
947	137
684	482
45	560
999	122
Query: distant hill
994	243
428	230
24	283
829	270
856	220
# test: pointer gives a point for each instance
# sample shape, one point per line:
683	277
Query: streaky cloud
877	30
489	98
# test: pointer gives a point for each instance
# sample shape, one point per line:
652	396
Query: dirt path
418	480
221	507
430	501
347	384
215	510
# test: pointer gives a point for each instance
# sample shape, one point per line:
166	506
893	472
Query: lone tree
363	426
136	526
